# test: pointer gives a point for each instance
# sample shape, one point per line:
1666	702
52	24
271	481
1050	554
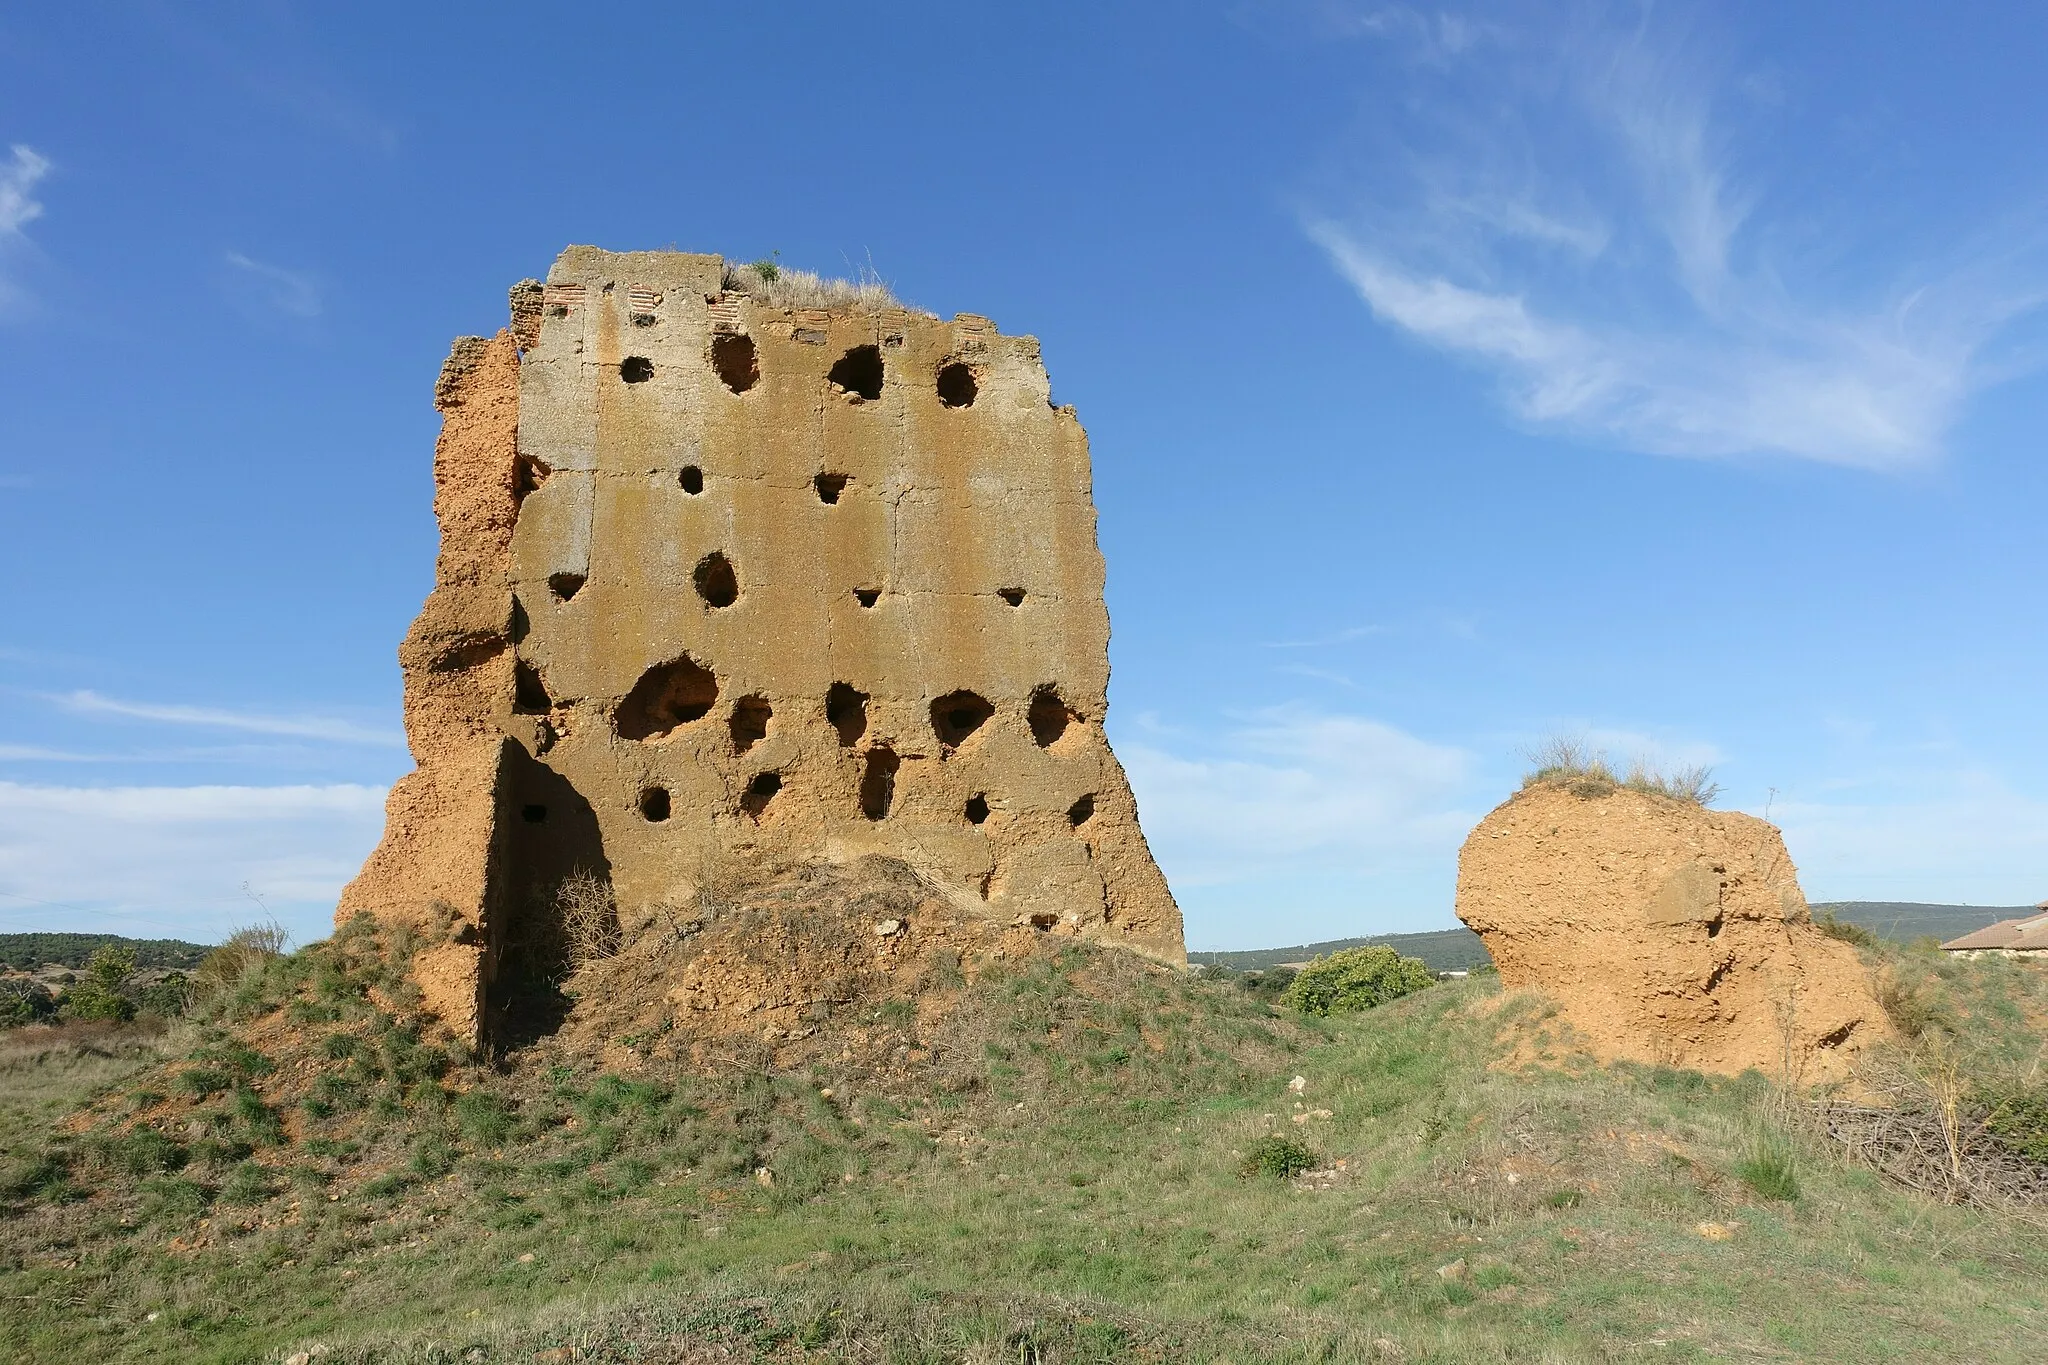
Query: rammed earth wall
725	586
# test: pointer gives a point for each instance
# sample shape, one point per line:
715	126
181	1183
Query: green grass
1073	1191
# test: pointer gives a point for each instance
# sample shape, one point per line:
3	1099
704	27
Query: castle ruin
725	584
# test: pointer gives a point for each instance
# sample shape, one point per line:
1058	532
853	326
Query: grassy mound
1060	1154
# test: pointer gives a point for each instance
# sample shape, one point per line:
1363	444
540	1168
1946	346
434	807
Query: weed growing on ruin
1570	763
778	286
589	917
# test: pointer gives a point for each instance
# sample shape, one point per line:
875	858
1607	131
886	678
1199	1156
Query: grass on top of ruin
1564	761
1127	1166
780	286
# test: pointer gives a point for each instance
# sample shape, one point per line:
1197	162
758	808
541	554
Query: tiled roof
2028	933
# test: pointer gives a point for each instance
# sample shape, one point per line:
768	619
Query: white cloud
287	291
1565	211
1295	821
1975	842
18	179
20	173
174	860
300	727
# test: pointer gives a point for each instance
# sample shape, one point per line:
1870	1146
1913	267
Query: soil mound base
1670	933
843	966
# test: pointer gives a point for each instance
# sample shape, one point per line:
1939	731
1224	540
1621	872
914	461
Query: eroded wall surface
1670	934
743	586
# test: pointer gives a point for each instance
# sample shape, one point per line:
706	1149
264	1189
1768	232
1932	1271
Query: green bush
1357	979
101	994
1841	929
1281	1157
167	997
2019	1119
23	1001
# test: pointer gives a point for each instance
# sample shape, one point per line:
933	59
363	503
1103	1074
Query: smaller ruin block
1670	933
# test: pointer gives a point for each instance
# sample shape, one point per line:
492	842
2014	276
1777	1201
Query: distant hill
1903	921
1457	950
29	951
1445	950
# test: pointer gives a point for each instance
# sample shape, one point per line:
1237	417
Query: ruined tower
728	581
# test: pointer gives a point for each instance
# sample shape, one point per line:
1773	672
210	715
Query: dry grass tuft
590	918
779	287
1569	762
223	969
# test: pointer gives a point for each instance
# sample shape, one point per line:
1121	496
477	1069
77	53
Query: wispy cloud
1328	675
327	728
173	860
286	291
20	173
1335	637
1432	35
19	176
1566	206
1967	838
31	753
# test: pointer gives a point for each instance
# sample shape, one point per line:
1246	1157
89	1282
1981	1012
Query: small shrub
101	993
222	972
1770	1170
590	918
24	1001
1357	979
1277	1156
2019	1119
1908	1007
1844	931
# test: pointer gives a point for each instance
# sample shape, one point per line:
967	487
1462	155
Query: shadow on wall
549	845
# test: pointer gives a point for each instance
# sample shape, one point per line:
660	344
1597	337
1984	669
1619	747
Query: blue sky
1667	376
